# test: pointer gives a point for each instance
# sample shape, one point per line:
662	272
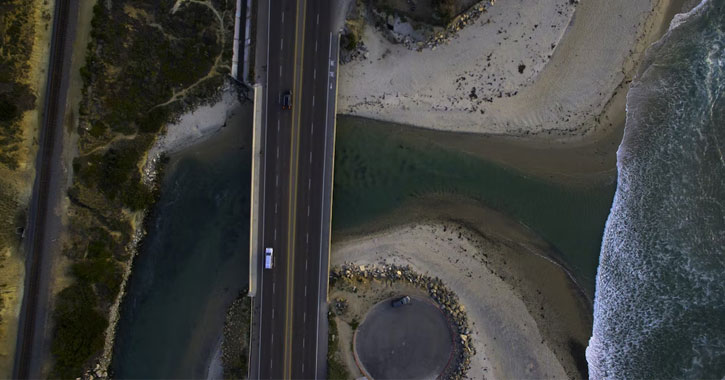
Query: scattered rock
419	36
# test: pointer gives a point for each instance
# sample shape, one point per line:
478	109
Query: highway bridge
292	188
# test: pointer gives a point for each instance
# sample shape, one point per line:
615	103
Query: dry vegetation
16	97
23	29
147	62
16	94
235	350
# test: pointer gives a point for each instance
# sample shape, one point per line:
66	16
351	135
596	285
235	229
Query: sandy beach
554	69
526	313
197	124
192	127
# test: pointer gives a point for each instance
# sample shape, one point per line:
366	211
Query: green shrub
118	165
98	250
78	331
446	9
98	129
102	273
152	121
8	110
335	369
137	196
350	41
132	66
99	246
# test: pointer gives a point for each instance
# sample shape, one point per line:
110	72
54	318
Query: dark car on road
401	301
286	100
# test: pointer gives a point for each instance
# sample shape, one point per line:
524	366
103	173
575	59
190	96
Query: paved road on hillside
290	325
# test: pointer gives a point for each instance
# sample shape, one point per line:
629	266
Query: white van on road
268	259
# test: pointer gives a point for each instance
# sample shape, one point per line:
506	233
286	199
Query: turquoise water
377	168
659	310
194	260
191	266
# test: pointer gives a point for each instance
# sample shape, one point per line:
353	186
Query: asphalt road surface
412	341
289	321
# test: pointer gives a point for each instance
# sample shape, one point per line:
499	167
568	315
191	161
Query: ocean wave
659	308
679	18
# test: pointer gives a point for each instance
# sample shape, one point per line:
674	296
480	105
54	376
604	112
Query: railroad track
35	237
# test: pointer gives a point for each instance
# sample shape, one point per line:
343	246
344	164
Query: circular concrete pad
410	341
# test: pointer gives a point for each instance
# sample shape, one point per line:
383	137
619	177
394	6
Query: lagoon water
192	264
660	295
379	166
194	261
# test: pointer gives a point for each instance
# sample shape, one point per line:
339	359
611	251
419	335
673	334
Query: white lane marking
273	286
308	210
283	17
275	207
278	127
272	341
315	46
275	234
314	73
307	241
303	367
277	151
261	290
313	100
309	185
281	42
318	19
276	180
272	314
303	342
280	71
305	265
303	314
312	131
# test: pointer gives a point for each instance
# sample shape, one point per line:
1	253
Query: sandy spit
547	68
525	311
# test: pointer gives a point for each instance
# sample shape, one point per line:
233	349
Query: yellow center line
294	166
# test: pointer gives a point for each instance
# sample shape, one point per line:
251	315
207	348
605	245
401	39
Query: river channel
194	260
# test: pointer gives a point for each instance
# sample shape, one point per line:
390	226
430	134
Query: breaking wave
659	309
